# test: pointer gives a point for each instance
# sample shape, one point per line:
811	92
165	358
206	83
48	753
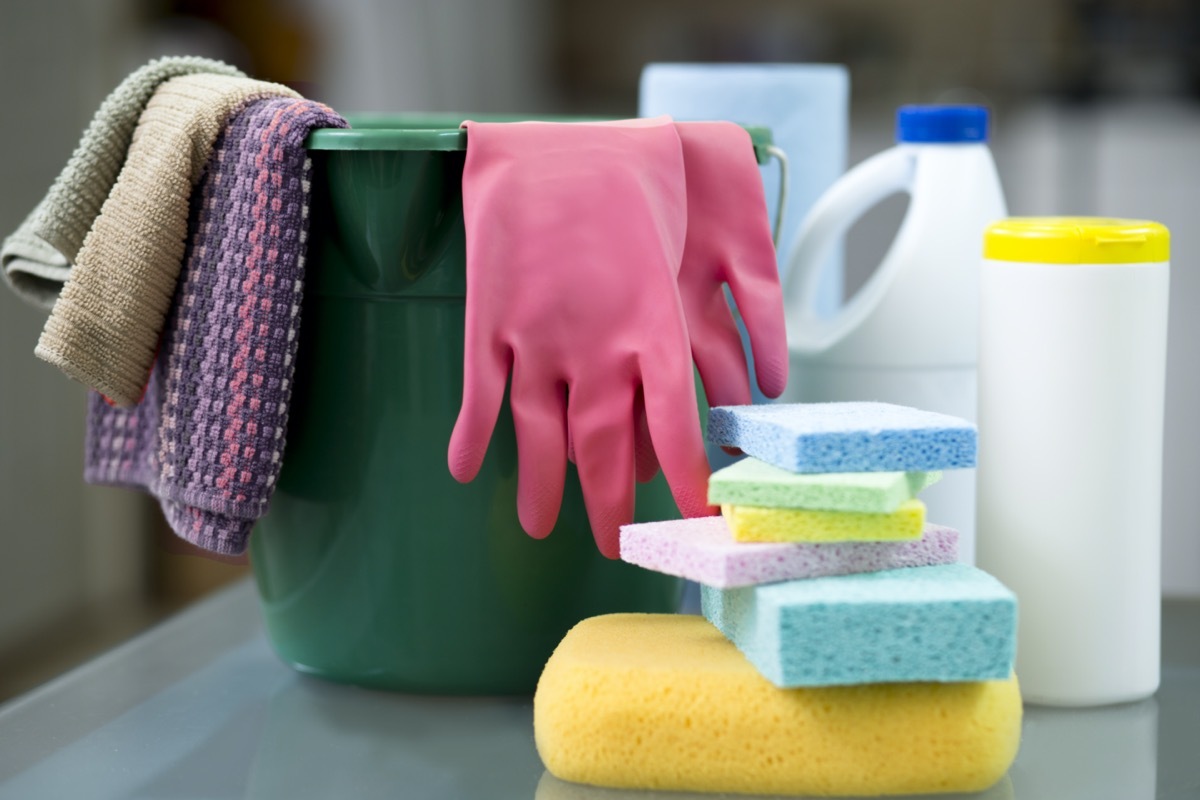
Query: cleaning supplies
845	437
1073	343
656	701
609	201
703	550
910	334
660	703
950	622
367	523
946	622
647	257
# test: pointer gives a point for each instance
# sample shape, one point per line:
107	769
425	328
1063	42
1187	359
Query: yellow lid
1077	240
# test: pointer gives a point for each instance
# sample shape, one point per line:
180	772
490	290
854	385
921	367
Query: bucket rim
441	132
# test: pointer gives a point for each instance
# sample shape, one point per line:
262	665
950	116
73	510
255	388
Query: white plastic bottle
1072	377
910	334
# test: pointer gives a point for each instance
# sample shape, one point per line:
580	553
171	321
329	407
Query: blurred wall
63	546
434	55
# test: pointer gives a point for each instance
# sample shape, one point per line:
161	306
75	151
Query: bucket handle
775	152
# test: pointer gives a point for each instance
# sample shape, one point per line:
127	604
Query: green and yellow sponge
757	524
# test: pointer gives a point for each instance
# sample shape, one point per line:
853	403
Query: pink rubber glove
575	233
729	241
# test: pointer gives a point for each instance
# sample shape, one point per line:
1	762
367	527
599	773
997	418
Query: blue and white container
910	335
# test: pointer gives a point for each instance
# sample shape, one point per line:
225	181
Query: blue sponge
943	623
845	437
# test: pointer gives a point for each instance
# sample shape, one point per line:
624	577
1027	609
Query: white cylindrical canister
1072	369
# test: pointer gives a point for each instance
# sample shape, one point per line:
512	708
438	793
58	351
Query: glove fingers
760	301
674	421
539	418
484	376
602	427
720	163
644	457
717	350
753	278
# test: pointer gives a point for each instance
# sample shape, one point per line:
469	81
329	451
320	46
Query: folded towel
33	269
35	260
105	327
208	438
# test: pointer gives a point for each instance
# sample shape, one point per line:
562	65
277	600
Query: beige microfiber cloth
36	258
104	329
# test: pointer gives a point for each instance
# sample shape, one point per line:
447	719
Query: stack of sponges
869	662
833	471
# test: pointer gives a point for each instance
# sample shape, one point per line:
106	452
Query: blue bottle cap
930	124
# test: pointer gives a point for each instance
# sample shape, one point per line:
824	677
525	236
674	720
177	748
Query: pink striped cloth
208	437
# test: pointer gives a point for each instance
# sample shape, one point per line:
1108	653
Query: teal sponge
751	482
946	623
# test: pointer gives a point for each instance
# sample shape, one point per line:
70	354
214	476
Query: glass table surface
200	708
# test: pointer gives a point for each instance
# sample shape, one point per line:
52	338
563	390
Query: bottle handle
826	224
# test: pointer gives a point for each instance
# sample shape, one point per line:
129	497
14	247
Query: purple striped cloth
207	439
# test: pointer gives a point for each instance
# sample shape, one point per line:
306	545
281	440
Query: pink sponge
703	550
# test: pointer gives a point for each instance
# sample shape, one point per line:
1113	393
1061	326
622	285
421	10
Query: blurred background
1096	109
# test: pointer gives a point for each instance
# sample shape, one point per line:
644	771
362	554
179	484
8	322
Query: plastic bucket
374	566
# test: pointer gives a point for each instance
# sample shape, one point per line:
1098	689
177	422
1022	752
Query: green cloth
36	259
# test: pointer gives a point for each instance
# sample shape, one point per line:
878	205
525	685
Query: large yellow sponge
663	701
757	524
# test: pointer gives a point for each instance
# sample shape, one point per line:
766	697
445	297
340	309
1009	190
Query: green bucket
374	566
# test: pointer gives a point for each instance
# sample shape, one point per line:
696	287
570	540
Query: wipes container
1072	376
